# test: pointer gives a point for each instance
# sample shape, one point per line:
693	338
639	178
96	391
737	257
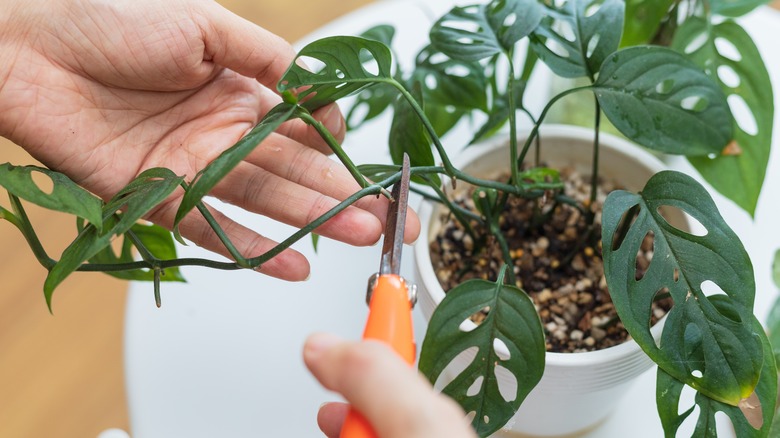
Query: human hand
393	397
101	91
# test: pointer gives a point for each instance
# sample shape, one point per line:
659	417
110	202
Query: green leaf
408	135
682	263
216	170
573	40
350	64
512	320
661	100
382	33
66	196
734	8
498	115
136	199
156	239
370	103
776	269
668	390
646	17
476	32
378	172
738	177
315	240
450	82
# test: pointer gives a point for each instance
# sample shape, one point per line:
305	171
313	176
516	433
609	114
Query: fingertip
289	265
330	418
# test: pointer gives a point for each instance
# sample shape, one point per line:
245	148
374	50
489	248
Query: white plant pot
578	390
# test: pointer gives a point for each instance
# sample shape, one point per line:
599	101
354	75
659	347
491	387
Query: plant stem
223	237
163	264
335	147
535	130
510	93
374	189
445	159
594	178
22	222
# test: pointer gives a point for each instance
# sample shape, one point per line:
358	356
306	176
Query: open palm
104	90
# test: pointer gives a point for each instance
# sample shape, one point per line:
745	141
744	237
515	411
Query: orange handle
390	321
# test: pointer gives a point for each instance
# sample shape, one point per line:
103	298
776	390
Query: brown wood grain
61	375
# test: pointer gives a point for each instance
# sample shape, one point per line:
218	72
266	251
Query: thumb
244	47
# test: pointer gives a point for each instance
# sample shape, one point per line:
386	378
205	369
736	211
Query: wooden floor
61	376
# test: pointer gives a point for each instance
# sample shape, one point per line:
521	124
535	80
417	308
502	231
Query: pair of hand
102	90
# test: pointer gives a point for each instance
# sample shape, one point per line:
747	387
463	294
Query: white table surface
222	357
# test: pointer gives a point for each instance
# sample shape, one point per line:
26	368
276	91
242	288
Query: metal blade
396	220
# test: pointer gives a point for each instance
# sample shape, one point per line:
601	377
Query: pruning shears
390	298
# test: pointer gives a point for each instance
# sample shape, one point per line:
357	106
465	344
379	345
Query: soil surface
558	263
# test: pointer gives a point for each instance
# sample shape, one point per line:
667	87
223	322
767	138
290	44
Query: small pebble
576	335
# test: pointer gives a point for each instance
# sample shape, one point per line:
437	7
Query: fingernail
319	343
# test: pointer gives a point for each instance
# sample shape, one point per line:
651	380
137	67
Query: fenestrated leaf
476	32
450	82
734	8
738	177
646	16
669	389
498	115
372	101
349	64
408	135
512	319
230	158
66	196
661	100
369	103
729	365
136	199
383	33
574	39
156	239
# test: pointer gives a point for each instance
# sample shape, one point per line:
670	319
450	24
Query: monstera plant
476	69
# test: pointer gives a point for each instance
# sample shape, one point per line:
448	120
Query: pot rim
607	141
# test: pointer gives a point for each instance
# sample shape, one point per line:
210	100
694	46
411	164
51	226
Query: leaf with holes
661	100
370	103
682	263
66	196
734	8
230	158
156	239
513	321
382	33
575	38
752	419
450	82
349	65
743	77
476	32
498	115
646	17
136	199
